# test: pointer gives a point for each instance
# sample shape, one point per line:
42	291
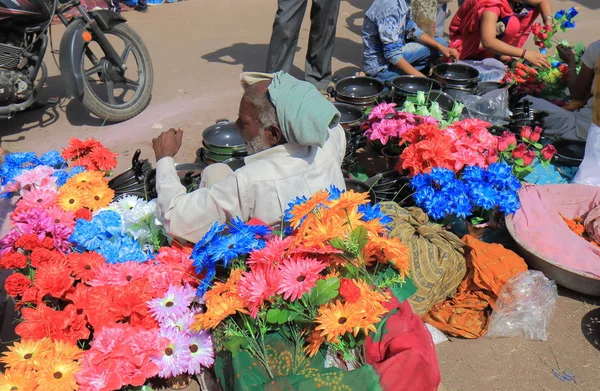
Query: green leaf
324	291
360	236
518	168
273	315
405	290
337	243
519	162
477	220
545	163
235	344
537	145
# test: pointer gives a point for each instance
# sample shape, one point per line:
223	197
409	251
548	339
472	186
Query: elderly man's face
257	139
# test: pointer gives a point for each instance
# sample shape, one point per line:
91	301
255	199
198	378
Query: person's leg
324	16
215	173
142	6
389	75
284	39
421	56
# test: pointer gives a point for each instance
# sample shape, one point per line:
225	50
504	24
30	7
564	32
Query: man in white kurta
270	179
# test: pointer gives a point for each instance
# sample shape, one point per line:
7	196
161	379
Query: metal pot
405	86
456	75
445	101
351	117
569	152
358	90
223	138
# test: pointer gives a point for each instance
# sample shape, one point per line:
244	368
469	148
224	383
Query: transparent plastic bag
491	106
524	307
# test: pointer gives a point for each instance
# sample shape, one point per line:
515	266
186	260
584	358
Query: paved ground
199	49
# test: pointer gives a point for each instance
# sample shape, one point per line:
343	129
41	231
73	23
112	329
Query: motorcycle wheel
102	78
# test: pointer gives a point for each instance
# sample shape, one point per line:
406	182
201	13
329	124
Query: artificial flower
25	354
507	141
17	380
43	321
314	341
57	375
335	320
39	198
548	152
13	260
200	346
272	254
176	356
349	291
298	276
54	278
42	256
257	286
84	266
16	284
174	304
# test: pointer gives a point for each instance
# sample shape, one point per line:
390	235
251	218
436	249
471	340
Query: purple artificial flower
201	349
182	322
60	235
8	241
174	304
176	357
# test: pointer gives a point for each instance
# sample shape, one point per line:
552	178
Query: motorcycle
102	61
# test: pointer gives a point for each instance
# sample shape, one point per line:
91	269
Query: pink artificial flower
548	152
298	276
506	141
119	274
519	151
427	120
272	254
201	348
8	241
176	356
467	157
382	131
492	157
61	216
528	158
38	198
173	304
525	132
39	177
257	286
536	134
382	110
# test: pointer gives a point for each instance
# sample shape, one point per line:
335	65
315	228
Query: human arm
580	84
427	40
392	35
491	43
545	9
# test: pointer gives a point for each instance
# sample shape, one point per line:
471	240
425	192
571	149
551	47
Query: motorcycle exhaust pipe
10	110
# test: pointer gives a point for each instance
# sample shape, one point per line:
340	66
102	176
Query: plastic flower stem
260	351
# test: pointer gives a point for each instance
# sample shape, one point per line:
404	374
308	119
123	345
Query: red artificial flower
54	279
492	157
349	291
42	256
506	141
48	243
78	148
536	29
519	151
84	265
130	303
99	307
528	158
526	132
13	260
31	295
16	284
536	134
548	152
28	242
103	158
44	322
83	213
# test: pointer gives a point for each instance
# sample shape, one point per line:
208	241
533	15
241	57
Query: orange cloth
489	266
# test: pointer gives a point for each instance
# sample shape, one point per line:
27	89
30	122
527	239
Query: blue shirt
387	27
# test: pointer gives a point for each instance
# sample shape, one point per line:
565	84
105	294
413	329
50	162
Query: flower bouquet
523	80
102	305
544	35
423	106
522	156
474	193
321	287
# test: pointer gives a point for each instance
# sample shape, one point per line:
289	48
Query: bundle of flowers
474	194
544	35
324	285
524	79
97	279
422	105
522	156
466	142
90	154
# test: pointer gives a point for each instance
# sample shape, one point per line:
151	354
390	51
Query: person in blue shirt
393	44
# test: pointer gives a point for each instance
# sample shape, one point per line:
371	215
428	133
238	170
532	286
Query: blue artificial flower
559	14
61	177
109	222
297	201
76	170
22	159
437	206
206	282
442	176
556	64
288	231
544	51
509	201
422	195
420	181
122	248
334	193
374	212
571	13
567	24
473	173
229	247
53	159
199	251
462	206
238	226
87	235
483	195
498	174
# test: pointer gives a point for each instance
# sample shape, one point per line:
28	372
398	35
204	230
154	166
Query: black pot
223	138
351	117
405	86
358	90
445	101
456	75
391	186
132	180
569	152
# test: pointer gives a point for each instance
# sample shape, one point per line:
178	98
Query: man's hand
167	144
449	52
566	54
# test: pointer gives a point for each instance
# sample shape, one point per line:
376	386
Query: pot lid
223	134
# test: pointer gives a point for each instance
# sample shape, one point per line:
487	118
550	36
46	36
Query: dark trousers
284	40
115	5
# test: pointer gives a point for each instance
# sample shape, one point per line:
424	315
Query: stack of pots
404	87
223	143
524	115
361	91
457	80
351	119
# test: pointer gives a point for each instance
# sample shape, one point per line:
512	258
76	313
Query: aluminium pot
358	90
223	138
457	75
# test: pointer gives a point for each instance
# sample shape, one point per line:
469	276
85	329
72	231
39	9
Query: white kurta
261	189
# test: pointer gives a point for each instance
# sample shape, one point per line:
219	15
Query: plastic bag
589	169
491	106
489	69
524	307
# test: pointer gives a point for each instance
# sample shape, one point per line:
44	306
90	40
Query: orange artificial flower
302	210
314	341
336	319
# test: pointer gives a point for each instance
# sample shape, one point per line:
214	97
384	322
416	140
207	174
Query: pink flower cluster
474	144
387	125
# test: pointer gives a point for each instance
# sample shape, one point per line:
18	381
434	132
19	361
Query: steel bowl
456	74
575	280
223	137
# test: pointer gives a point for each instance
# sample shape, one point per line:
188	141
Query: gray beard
256	145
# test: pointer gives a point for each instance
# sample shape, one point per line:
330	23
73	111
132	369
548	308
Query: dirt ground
199	48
